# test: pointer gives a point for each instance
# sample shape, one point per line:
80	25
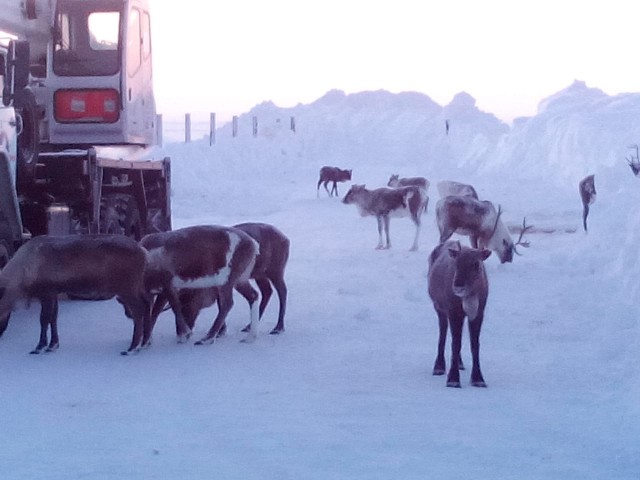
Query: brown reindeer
458	287
332	174
395	181
200	257
587	188
386	202
479	219
450	187
267	271
96	265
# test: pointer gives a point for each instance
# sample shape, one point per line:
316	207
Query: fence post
187	127
212	129
159	139
255	126
293	124
234	126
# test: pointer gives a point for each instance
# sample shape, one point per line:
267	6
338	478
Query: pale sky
226	57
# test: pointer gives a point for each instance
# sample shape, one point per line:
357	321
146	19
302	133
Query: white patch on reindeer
252	334
471	305
221	277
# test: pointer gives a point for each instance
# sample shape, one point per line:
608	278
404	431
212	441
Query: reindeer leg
4	323
281	289
181	324
54	343
475	325
456	319
251	295
386	229
318	188
225	302
416	221
440	365
326	182
585	213
140	310
47	311
380	245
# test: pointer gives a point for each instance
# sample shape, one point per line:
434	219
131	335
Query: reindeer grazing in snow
335	175
458	287
201	257
268	269
587	188
450	187
395	181
104	265
478	219
634	162
386	202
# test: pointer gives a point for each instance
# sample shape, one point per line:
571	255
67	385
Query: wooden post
159	139
293	124
255	126
234	126
187	127
212	129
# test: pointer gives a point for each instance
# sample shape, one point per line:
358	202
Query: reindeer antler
525	244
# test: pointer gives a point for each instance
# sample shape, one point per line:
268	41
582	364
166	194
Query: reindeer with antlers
634	162
481	222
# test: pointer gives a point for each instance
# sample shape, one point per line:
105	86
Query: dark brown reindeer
195	258
335	175
458	287
97	265
386	202
587	188
634	161
480	221
267	271
395	181
450	187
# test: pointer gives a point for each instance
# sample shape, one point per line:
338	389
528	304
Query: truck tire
29	138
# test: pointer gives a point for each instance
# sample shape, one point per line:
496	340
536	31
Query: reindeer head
468	269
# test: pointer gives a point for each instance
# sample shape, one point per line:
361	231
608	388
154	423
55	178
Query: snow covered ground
347	391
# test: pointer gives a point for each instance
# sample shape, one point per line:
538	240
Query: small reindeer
634	162
332	174
587	189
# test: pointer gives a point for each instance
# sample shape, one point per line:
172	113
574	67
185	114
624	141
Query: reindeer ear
454	249
484	254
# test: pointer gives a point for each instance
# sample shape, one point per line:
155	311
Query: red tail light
87	106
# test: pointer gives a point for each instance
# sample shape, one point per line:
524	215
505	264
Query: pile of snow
347	390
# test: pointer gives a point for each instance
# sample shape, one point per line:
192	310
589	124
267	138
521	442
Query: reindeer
587	188
386	202
395	181
634	162
458	287
450	187
200	257
268	269
332	174
479	220
97	265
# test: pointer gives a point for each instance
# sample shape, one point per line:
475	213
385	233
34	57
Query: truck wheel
29	138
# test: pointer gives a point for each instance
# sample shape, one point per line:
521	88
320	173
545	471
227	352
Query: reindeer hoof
36	351
439	371
478	383
205	341
454	384
52	348
276	331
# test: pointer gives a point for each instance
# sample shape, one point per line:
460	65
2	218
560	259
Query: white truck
77	86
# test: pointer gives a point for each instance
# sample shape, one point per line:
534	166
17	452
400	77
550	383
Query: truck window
134	55
86	41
